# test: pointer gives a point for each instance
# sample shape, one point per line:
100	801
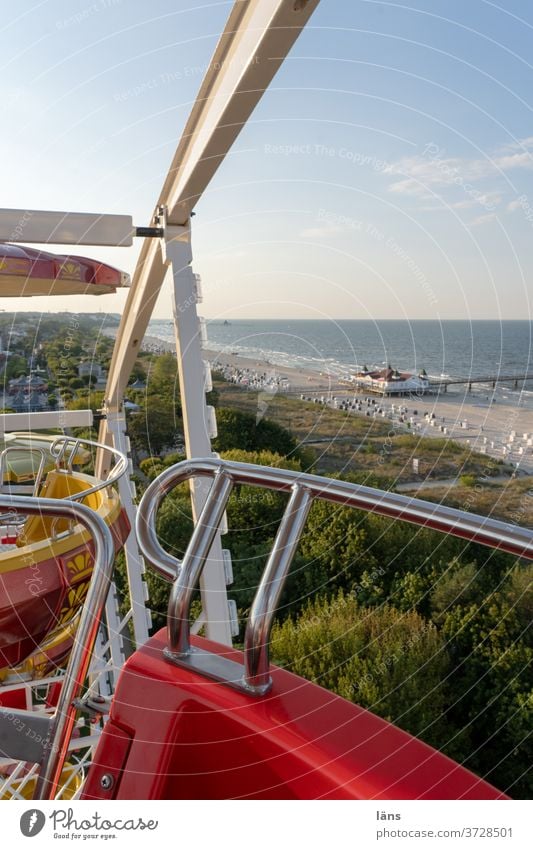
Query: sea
443	348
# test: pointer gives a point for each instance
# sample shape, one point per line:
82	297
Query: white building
390	381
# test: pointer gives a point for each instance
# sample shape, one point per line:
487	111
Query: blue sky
387	173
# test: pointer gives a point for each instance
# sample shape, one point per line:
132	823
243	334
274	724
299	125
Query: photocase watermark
335	219
88	12
387	447
65	823
355	157
32	822
386	664
17	233
450	173
269	389
64	364
368	580
170	77
338	220
523	203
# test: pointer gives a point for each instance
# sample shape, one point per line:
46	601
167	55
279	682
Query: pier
515	379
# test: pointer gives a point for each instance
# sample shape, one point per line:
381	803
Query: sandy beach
497	424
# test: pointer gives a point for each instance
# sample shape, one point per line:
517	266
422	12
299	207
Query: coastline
492	427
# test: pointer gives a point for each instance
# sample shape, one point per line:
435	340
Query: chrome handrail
61	723
254	676
58	450
10	449
63	451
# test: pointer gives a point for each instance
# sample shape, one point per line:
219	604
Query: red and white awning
26	272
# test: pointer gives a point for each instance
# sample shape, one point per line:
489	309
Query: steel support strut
191	370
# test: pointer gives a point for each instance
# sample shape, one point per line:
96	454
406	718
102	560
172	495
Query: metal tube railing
12	449
62	721
469	526
59	448
256	661
193	564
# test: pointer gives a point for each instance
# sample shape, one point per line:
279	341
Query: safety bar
54	732
59	450
12	449
254	676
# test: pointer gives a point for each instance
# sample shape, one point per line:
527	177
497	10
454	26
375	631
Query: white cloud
514	204
483	219
427	176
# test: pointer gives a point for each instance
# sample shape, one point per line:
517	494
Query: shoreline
501	428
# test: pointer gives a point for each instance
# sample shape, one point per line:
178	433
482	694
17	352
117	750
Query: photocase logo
269	387
32	822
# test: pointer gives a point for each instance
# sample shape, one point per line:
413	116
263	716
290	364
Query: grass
511	501
346	442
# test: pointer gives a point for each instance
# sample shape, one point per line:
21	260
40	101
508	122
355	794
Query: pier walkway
493	379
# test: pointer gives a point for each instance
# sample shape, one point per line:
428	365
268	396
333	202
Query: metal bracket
94	706
24	735
217	668
150	232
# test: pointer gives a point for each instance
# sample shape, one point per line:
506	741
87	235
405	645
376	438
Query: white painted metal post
135	568
191	372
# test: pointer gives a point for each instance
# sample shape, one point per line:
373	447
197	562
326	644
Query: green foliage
491	642
163	378
392	663
456	585
87	401
240	430
154	428
467	480
15	367
334	547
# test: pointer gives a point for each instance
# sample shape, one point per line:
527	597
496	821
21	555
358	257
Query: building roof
388	375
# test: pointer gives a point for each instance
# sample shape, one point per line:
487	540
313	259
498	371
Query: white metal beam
46	420
255	41
258	36
65	228
195	422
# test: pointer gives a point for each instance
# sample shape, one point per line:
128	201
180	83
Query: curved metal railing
63	451
32	450
254	676
46	738
65	458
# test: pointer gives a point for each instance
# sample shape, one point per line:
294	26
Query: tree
163	377
155	427
334	547
491	642
391	663
87	401
240	430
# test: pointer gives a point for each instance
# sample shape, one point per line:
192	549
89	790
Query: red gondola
26	272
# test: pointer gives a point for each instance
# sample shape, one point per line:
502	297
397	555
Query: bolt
106	781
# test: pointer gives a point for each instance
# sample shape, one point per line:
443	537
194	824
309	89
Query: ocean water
447	348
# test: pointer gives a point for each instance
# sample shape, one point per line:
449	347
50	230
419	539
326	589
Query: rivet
106	781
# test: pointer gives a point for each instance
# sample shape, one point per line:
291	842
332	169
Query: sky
386	173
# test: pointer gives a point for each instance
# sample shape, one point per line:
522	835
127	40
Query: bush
467	480
386	661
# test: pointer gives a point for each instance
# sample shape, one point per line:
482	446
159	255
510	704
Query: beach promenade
498	423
